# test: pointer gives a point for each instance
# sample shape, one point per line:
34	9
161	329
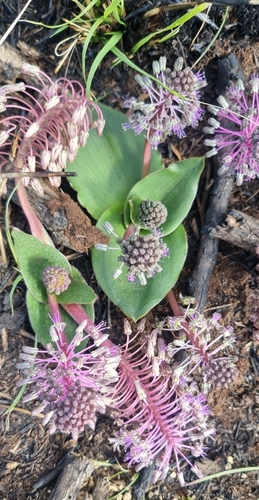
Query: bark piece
11	61
208	251
75	472
241	230
66	222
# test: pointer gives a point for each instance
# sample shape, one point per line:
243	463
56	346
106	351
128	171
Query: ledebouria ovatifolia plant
174	105
154	428
141	254
238	134
148	389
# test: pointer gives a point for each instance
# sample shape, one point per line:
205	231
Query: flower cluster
159	413
235	130
52	121
71	385
167	113
207	336
151	214
158	406
140	254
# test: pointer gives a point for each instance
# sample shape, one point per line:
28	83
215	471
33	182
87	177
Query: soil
29	454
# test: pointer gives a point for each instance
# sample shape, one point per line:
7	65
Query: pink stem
174	304
36	227
128	231
191	336
146	159
56	316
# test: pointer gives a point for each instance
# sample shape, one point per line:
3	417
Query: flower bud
55	279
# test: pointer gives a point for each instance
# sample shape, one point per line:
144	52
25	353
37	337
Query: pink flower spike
72	386
55	121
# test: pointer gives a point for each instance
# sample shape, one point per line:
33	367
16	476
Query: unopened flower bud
32	130
152	214
52	102
55	279
3	137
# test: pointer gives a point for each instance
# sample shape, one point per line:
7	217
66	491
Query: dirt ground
28	452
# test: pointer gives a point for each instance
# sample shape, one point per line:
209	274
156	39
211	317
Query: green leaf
90	34
112	9
41	322
111	42
178	23
67	23
78	291
134	299
175	187
109	166
33	256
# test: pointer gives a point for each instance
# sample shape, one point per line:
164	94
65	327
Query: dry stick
241	230
208	251
76	471
228	73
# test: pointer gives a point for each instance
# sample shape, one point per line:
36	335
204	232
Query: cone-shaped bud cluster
141	255
70	384
220	373
70	405
151	214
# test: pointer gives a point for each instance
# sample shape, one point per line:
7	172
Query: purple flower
140	254
70	385
235	131
203	339
166	113
158	415
52	120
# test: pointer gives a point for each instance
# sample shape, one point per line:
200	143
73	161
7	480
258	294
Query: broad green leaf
175	187
134	299
78	291
41	322
33	257
108	166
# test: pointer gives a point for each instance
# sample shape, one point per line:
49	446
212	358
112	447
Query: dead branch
240	230
72	478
